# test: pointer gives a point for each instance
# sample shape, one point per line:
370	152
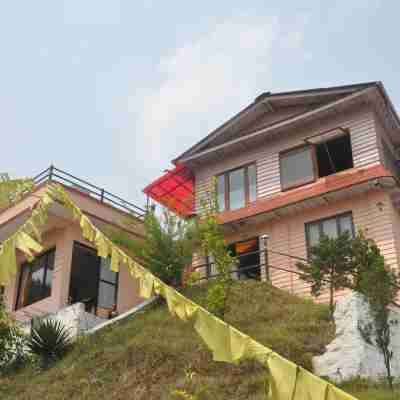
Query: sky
111	91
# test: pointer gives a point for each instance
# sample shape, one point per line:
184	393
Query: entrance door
92	282
248	253
84	282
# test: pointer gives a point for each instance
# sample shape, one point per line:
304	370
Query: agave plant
49	339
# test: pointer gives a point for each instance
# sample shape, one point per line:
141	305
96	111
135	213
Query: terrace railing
57	175
252	271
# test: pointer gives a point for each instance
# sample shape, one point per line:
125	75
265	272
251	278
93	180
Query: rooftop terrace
54	174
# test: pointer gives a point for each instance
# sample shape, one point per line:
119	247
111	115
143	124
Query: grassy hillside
154	355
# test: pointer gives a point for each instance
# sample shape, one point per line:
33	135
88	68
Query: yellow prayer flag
309	386
8	262
26	243
114	260
88	231
101	245
239	344
179	305
257	351
215	334
146	284
283	375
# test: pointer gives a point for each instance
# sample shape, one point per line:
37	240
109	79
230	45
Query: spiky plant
49	339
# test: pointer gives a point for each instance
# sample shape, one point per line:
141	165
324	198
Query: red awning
174	190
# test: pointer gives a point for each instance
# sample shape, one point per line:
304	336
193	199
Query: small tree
329	266
213	244
167	247
378	284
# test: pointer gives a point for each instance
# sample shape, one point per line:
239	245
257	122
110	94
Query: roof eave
265	100
286	123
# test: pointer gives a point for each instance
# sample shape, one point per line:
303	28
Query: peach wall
62	234
53	238
373	212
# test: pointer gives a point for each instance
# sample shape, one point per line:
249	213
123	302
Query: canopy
174	190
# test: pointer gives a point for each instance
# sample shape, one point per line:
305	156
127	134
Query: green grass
152	355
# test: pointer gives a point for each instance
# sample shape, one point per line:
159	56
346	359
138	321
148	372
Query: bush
13	350
167	247
50	340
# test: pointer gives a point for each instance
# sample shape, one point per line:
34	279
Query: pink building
290	167
69	270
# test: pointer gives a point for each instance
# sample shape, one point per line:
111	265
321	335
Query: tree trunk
331	295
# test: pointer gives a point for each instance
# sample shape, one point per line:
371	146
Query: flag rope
287	381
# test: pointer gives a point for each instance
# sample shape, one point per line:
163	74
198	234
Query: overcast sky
112	90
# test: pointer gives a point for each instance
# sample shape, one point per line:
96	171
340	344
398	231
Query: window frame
109	283
46	268
99	279
320	222
305	181
226	174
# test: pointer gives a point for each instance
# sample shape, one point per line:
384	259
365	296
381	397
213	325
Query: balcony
53	174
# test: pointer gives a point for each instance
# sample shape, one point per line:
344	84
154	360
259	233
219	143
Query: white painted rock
348	355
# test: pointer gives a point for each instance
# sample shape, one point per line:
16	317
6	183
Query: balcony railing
251	271
57	175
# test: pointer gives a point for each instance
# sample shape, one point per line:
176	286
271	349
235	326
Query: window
331	227
248	254
297	167
315	160
334	155
237	188
107	285
36	279
92	282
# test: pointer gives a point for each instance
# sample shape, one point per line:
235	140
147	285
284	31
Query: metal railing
57	175
240	271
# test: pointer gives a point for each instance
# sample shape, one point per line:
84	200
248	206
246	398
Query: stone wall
75	318
349	355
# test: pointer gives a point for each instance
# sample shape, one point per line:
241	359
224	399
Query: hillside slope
153	355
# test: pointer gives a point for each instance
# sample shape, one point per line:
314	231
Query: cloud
205	81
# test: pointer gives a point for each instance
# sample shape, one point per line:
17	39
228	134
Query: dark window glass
331	227
297	167
248	256
334	155
36	279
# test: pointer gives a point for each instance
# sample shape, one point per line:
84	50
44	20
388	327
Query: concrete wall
61	234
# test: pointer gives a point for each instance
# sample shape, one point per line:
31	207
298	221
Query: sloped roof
292	104
174	190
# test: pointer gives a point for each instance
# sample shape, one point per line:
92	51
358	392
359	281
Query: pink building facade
69	270
293	166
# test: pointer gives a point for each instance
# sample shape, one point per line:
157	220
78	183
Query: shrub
49	339
167	247
13	351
